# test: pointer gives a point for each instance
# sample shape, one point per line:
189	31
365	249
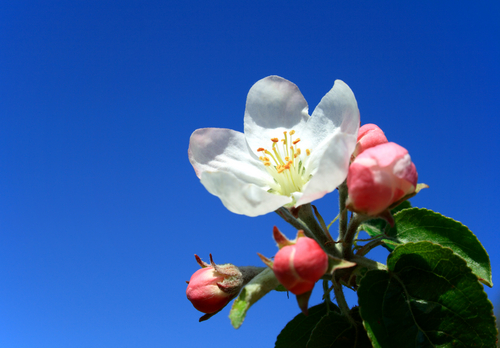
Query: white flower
285	157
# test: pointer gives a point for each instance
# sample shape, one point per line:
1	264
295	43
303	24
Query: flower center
285	165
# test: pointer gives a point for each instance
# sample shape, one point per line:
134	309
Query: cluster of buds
213	286
380	175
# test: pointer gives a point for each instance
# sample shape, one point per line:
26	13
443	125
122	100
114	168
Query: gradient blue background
100	210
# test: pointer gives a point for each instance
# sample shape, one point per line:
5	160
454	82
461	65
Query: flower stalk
368	263
352	229
339	296
306	216
365	249
343	211
286	215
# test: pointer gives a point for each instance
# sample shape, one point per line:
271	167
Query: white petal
273	105
338	108
218	149
330	163
241	197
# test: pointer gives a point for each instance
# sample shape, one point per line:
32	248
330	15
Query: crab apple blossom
369	135
299	266
379	177
284	157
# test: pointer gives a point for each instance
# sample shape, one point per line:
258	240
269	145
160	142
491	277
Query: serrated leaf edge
487	282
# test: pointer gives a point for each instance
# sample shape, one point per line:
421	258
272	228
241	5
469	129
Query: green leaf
334	330
297	332
427	298
263	283
415	225
323	329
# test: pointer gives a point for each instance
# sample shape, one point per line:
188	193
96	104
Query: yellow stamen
285	165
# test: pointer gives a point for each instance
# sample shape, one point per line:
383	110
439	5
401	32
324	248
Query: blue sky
100	210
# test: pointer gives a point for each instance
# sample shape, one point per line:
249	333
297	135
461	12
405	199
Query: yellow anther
285	160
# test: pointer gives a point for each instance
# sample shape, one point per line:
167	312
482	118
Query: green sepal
335	263
303	301
280	288
376	227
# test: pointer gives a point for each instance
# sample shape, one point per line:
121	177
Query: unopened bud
299	266
379	177
204	292
213	286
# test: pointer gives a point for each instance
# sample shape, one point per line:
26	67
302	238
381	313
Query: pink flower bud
212	287
204	290
379	177
298	267
369	135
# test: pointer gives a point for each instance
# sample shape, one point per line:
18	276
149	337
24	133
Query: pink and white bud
379	177
213	286
299	266
369	135
204	290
